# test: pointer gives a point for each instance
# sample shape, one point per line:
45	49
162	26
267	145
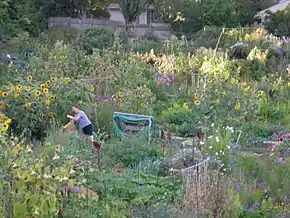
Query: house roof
277	7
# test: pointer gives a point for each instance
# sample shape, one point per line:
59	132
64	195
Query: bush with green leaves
96	38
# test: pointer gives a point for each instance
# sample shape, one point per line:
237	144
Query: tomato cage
196	180
132	124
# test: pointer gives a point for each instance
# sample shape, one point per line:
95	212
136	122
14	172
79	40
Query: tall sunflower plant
31	105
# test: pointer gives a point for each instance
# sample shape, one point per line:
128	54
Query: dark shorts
88	130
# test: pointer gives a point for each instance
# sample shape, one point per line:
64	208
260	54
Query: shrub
96	38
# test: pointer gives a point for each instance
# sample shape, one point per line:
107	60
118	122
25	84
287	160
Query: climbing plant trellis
196	179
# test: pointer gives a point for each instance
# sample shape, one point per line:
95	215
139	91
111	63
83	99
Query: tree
131	9
77	8
278	23
189	16
248	8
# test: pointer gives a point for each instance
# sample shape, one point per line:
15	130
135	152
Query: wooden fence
159	31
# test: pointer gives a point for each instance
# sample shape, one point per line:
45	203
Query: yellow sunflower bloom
8	121
4	127
37	93
121	95
27	105
42	86
67	80
142	105
16	95
52	98
27	88
197	102
195	95
53	78
45	91
47	83
288	84
234	81
185	106
47	103
18	88
50	115
5	94
29	78
237	106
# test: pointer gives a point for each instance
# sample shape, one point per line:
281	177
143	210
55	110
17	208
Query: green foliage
131	9
278	23
96	38
23	169
187	17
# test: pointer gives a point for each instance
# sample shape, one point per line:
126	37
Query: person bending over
84	124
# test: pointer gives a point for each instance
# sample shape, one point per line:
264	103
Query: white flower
210	147
56	157
224	169
72	171
216	154
14	165
221	151
229	147
47	176
217	139
33	173
212	125
201	142
216	131
209	137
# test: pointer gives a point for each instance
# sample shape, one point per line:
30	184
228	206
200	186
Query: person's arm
73	118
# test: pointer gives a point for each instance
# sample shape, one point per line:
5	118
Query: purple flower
280	160
239	187
260	186
253	207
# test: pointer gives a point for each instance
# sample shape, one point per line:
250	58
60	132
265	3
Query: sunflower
29	78
47	83
237	106
42	86
185	106
50	115
142	105
45	91
234	81
52	98
67	80
4	127
4	94
209	81
51	70
27	88
47	103
27	105
53	78
197	102
121	95
195	95
8	121
16	95
37	93
18	88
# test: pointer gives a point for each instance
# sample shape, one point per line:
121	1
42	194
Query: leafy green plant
96	38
